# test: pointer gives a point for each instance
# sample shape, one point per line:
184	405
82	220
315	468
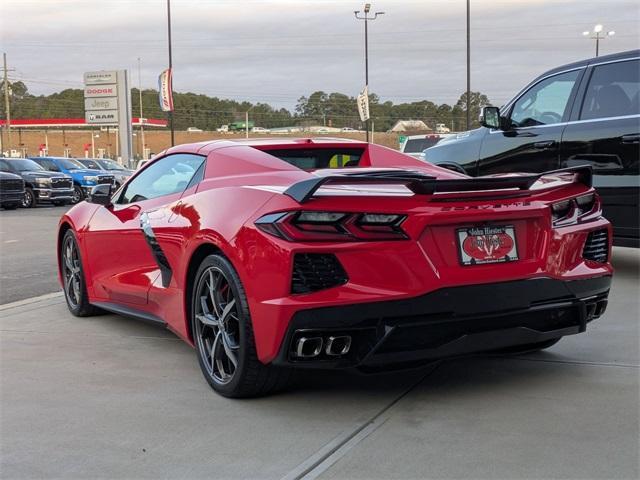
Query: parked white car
193	129
223	129
441	128
260	130
415	145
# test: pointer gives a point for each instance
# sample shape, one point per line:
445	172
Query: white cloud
276	51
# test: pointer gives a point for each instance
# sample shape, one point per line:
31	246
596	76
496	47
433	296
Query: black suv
11	190
582	113
40	186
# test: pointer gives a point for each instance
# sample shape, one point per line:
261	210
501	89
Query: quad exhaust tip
311	347
337	346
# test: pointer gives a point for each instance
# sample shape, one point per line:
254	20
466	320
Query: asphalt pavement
110	397
28	252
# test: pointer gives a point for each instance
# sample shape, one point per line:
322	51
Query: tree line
208	113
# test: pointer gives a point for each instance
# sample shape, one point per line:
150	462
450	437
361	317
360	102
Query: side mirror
490	117
101	194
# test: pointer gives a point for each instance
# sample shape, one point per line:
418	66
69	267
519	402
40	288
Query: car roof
601	59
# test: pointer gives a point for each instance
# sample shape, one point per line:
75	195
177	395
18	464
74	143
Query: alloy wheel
27	199
71	272
217	325
77	195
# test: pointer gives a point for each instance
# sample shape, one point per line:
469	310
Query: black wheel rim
71	272
27	199
217	325
77	195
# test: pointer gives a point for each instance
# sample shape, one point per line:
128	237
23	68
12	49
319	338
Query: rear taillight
576	210
318	226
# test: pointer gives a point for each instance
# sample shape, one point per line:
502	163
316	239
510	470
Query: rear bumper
449	322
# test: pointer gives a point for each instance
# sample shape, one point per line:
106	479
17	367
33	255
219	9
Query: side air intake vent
596	247
316	271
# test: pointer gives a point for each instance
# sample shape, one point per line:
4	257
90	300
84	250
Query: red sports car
270	255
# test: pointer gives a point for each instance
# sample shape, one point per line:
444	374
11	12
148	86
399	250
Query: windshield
25	165
416	145
90	164
110	164
70	164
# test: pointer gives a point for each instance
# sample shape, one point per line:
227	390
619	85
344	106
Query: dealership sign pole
107	101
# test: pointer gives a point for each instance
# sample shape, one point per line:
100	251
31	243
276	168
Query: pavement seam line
577	362
29	301
329	454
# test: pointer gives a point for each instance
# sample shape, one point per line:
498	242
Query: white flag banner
165	90
363	104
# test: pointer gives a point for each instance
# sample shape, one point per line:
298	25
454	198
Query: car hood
87	171
33	174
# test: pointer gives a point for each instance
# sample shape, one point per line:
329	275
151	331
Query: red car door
122	255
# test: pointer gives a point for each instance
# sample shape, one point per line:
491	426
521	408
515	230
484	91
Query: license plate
487	244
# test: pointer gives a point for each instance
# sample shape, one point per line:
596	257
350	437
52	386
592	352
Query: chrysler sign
101	77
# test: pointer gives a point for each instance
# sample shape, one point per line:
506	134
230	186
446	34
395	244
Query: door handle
631	138
544	145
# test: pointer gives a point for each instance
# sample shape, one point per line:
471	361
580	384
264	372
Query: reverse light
332	226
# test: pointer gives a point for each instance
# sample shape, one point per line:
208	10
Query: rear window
317	158
415	145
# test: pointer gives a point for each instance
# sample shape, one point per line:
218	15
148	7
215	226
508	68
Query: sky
275	51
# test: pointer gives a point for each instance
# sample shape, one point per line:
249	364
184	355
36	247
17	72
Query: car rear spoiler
422	184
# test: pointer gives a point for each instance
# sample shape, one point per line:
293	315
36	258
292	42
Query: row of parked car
27	182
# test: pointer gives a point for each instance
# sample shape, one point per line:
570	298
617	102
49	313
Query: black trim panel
161	259
129	312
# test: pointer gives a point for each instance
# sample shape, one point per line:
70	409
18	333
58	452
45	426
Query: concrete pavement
109	397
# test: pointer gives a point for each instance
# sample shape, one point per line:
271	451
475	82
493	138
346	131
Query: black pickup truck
41	186
11	190
584	113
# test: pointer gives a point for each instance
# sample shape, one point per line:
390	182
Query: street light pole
468	65
598	35
367	19
141	122
173	142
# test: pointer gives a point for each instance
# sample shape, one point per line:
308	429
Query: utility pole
141	122
246	124
7	105
173	141
367	19
468	65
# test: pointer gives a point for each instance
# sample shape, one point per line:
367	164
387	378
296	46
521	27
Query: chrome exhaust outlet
337	346
308	347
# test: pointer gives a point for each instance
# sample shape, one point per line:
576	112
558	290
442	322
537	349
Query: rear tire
74	286
223	334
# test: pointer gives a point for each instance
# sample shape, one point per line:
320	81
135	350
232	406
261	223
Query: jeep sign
100	103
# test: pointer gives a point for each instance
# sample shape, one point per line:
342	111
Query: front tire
74	286
223	334
78	195
29	199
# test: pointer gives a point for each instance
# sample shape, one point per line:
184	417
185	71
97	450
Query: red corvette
270	255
